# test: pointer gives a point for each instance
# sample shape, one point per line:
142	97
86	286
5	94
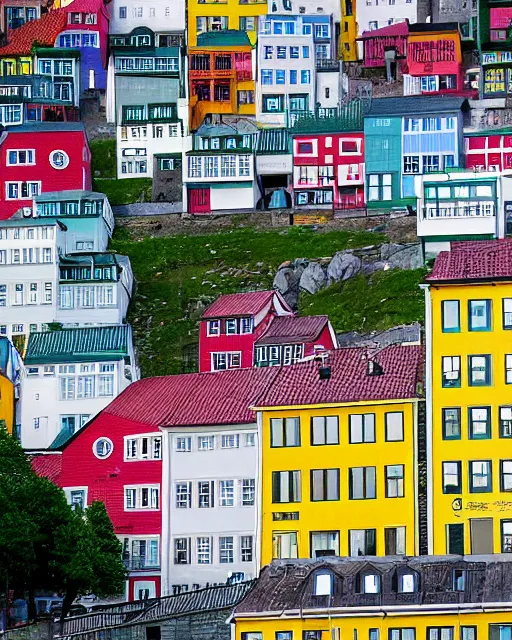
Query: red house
41	157
488	151
387	43
328	171
231	325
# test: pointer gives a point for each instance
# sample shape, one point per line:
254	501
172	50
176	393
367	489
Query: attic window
75	18
371	584
323	584
459	579
374	368
406	583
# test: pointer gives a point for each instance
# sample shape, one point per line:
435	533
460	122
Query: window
451	424
59	159
122	13
226	550
505	475
362	483
250	440
143	448
305	76
184	444
183	495
479	315
205	443
505	422
455	539
451	371
394	426
507	313
213	328
284	545
361	428
248	492
324	430
142	498
402	634
395	481
286	486
273	103
508	369
285	432
102	448
479	371
468	633
394	541
452	477
227	360
204	550
226	493
431	164
325	543
230	441
479	423
480	476
182	551
411	164
450	312
267	76
325	484
506	536
459	579
379	186
21	156
205	494
246	548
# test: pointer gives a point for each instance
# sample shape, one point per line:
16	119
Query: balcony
327	64
480	210
134	563
447	219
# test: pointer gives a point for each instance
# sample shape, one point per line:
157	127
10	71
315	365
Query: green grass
124	191
383	300
178	275
103	158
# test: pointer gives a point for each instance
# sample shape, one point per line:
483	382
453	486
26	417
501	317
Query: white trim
258	502
138	458
66	159
138	488
19	164
106	440
68	490
165	507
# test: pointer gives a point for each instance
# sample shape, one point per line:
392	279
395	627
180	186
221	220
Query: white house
69	376
94	289
163	16
372	14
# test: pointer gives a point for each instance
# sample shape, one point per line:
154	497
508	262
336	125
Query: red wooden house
41	157
328	171
386	43
489	150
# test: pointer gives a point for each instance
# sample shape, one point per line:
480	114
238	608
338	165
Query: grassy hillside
178	275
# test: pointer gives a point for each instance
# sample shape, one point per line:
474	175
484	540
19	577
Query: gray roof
287	585
273	141
47	126
410	105
143	612
70	194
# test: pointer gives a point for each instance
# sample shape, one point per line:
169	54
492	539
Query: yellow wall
358	627
348	35
230	8
19	66
344	514
7	402
460	508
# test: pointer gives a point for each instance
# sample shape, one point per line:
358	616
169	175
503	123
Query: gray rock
372	267
282	278
408	257
343	266
287	281
313	278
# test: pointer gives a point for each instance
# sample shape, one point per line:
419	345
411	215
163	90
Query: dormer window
459	579
90	18
370	583
213	327
246	325
75	18
407	583
323	584
231	328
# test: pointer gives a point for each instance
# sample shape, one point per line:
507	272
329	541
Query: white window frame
138	439
152	489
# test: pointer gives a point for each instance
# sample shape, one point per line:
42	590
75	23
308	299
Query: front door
482	541
199	200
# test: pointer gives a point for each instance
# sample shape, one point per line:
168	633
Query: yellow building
339	456
216	15
348	32
469	398
385	599
10	365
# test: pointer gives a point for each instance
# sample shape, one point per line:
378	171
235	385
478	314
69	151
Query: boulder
402	256
313	278
286	281
343	266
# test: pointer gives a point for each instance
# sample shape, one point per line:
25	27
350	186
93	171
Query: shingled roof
241	304
416	105
293	329
48	466
474	261
300	384
42	32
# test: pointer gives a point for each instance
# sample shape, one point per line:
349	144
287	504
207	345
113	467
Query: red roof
193	399
43	31
300	384
477	260
286	329
85	6
241	304
398	29
48	466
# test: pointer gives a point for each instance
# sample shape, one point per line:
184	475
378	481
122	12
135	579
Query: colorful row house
10	378
14	14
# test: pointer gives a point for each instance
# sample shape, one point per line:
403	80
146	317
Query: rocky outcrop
313	278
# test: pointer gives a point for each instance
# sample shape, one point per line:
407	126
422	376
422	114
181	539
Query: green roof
72	194
62	437
488	132
272	141
97	259
88	344
225	38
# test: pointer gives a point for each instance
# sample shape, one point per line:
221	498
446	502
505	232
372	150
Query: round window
59	159
102	448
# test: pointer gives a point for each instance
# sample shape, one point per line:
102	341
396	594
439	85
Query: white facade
209	505
306	7
65	396
161	16
374	14
29	256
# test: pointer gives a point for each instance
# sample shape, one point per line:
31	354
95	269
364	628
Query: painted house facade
274	163
372	14
38	158
70	376
10	374
385	47
231	325
14	14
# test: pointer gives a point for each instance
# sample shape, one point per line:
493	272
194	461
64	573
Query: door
199	200
482	541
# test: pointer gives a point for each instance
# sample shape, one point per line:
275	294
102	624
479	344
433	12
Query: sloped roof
239	304
224	38
62	437
272	141
398	29
86	6
478	260
193	399
290	329
300	384
78	345
411	105
43	32
48	466
60	127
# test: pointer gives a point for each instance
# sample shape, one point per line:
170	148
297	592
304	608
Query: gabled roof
241	304
398	29
473	261
272	141
412	105
86	6
293	329
43	32
193	399
42	127
87	344
300	384
224	38
48	466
